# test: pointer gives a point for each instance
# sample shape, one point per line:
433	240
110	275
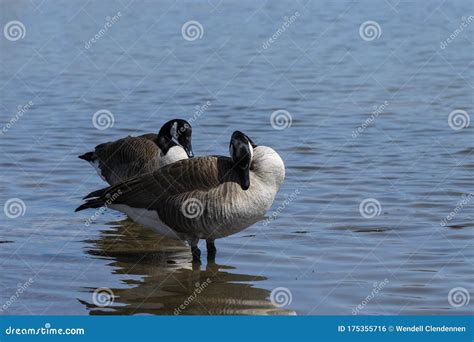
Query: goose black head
241	151
176	132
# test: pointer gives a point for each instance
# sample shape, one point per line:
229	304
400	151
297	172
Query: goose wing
179	192
127	157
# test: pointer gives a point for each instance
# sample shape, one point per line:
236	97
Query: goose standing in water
122	159
200	198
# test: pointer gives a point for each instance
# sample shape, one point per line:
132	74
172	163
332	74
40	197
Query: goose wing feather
127	157
204	181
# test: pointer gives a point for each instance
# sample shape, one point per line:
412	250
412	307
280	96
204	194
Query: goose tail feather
92	203
97	193
100	198
89	156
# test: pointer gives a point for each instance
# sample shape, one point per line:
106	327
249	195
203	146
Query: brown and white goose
122	159
200	198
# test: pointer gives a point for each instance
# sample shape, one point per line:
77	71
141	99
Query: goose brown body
210	185
127	157
119	160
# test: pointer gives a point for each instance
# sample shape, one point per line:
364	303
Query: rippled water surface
369	120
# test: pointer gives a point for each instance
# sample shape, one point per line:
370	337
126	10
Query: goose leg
211	249
195	250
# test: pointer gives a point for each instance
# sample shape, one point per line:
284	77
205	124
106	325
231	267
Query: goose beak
244	175
189	149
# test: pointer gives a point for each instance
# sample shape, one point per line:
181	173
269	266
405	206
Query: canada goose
122	159
200	198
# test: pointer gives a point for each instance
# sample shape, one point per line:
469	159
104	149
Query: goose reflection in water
170	284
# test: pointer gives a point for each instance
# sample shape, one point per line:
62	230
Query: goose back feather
122	159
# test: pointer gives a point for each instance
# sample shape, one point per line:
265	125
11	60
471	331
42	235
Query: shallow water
319	247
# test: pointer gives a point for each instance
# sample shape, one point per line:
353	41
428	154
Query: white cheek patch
251	153
174	130
231	151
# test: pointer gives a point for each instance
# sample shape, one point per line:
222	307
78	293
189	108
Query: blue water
320	248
